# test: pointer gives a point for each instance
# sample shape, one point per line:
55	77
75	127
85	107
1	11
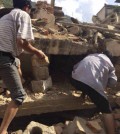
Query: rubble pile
65	27
59	34
78	125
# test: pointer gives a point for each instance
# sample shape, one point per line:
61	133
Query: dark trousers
100	101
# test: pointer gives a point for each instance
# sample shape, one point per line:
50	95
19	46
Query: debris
94	126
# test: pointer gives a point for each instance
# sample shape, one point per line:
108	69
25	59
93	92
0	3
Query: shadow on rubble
50	118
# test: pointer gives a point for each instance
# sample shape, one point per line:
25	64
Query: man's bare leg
109	123
116	116
8	117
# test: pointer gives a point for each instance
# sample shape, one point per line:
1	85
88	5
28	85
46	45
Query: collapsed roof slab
39	104
60	45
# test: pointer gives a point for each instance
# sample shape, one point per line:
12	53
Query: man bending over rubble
15	35
91	76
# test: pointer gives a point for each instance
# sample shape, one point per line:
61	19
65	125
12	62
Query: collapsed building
66	41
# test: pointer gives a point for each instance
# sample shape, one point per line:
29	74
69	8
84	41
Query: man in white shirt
15	36
91	76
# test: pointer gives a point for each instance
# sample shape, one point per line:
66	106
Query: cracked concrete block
35	127
74	30
94	126
39	62
41	85
43	14
79	126
40	73
113	46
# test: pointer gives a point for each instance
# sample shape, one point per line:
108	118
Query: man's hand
26	45
40	54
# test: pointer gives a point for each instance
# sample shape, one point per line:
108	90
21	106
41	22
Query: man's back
94	70
12	25
7	33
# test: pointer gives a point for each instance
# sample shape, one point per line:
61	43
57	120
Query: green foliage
117	9
7	3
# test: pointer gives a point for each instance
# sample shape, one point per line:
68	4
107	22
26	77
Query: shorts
10	76
100	101
17	62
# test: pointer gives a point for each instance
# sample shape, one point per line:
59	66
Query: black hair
113	59
108	54
22	3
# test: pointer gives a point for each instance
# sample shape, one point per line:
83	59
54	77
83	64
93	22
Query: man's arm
112	80
26	45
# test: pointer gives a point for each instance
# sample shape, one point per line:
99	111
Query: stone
78	125
43	14
41	85
18	132
113	46
37	128
52	30
94	126
40	73
75	127
39	62
59	128
74	30
110	27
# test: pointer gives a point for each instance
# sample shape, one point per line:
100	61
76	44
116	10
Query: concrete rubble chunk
41	85
94	126
111	27
59	128
74	30
18	132
39	62
40	73
39	129
75	127
43	14
52	31
79	126
113	46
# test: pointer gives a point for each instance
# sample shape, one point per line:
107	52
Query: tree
6	3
